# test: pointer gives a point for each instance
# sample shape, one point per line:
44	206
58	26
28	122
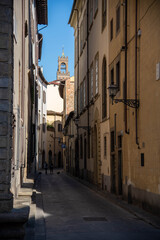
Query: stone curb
135	210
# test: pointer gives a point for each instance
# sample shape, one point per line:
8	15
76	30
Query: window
75	102
44	124
39	122
105	146
95	6
142	159
63	68
81	36
39	91
81	146
59	127
112	141
104	13
96	74
90	12
78	100
111	29
44	97
89	145
84	93
112	76
81	97
85	25
26	28
118	18
118	75
92	143
91	81
75	51
119	141
104	89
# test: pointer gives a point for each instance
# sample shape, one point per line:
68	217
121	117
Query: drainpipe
115	129
78	60
125	107
88	73
54	162
77	165
137	142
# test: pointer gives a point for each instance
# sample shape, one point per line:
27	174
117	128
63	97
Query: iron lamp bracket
133	103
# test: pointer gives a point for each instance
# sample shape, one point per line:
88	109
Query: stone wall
6	88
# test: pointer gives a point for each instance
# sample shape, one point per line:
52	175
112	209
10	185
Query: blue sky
56	35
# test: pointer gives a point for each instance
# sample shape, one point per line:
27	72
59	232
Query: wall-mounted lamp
65	133
113	89
51	135
139	33
76	121
70	136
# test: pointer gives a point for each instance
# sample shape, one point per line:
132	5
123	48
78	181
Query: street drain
95	219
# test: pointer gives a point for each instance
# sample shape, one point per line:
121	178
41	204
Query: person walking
51	168
45	167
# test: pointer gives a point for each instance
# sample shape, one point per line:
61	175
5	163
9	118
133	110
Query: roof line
51	112
74	3
59	80
42	76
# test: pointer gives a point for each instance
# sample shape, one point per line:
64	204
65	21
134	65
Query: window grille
112	141
104	89
96	75
104	13
118	19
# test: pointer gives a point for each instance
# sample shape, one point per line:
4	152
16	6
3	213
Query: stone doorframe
97	150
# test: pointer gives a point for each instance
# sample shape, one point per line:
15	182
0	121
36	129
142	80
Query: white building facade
42	119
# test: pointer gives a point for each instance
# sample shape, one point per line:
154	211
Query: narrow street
68	210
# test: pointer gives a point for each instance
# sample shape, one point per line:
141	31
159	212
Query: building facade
66	85
117	50
91	106
134	55
19	49
66	92
54	153
42	120
54	101
69	132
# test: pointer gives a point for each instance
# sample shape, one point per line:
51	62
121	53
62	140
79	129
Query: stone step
30	226
25	192
12	223
22	200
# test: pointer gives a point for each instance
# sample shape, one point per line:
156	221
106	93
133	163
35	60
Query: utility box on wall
158	71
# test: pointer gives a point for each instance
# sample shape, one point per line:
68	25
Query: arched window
104	13
63	68
104	89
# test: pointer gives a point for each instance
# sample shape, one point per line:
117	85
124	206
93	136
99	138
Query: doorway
85	153
120	172
43	158
59	160
76	158
50	157
113	174
95	156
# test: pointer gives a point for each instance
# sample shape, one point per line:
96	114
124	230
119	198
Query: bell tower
62	71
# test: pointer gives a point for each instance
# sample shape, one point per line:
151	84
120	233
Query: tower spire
62	51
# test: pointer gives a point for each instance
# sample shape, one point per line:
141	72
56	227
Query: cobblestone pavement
68	210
